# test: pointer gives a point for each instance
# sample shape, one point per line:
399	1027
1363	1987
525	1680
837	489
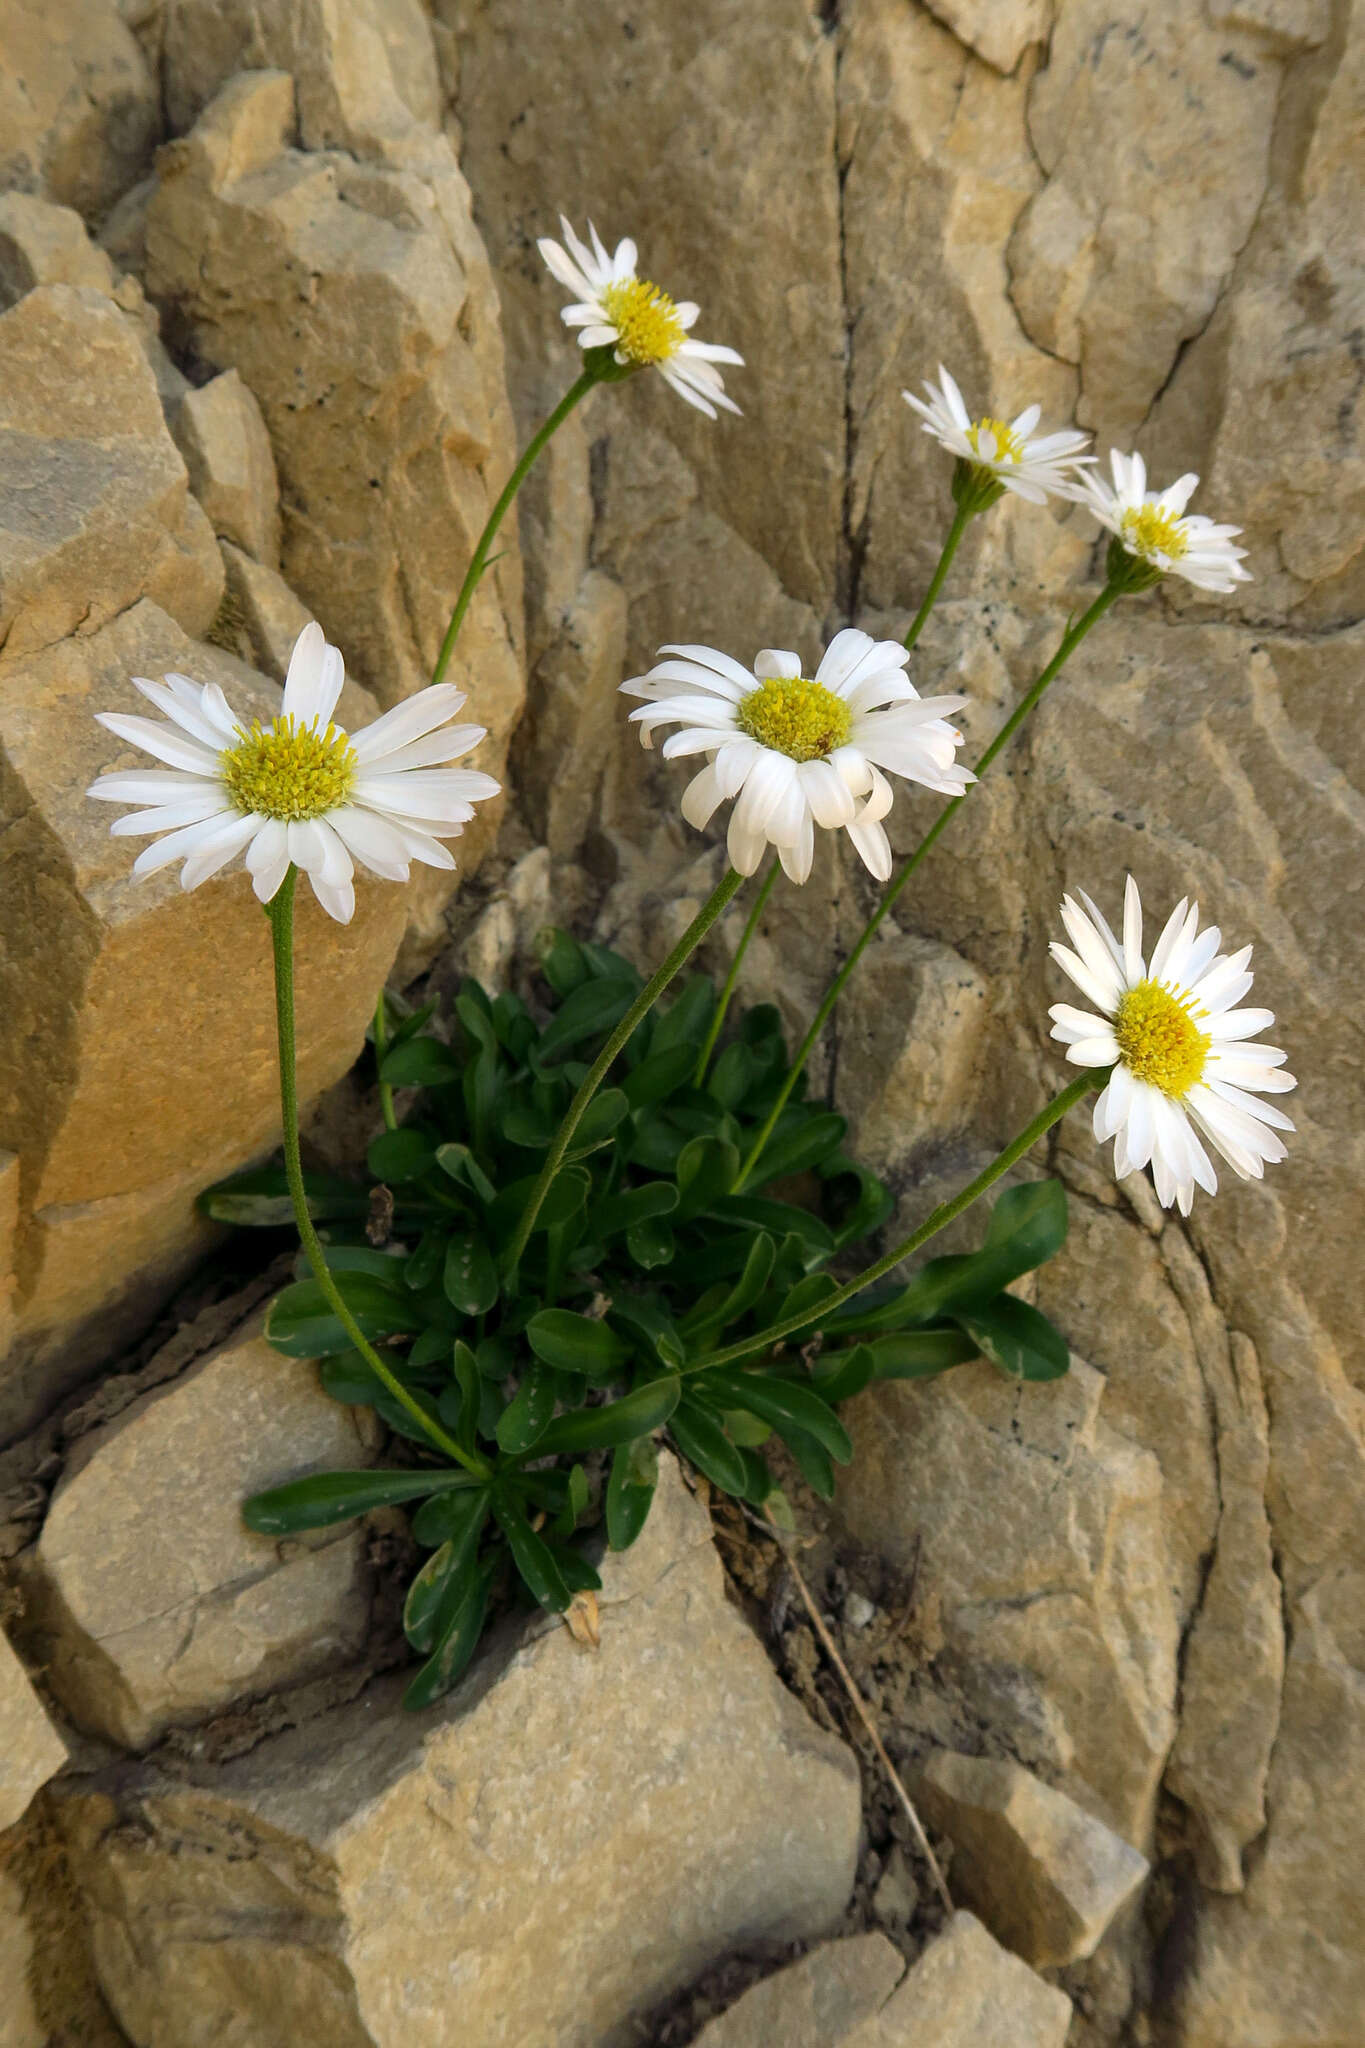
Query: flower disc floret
993	441
1158	1039
648	329
796	717
290	770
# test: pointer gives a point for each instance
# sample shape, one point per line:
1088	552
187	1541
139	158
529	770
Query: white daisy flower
1001	455
1154	530
799	752
300	789
1180	1049
620	310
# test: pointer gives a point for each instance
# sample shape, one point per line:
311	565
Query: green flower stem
478	560
962	519
280	911
381	1046
1092	1077
1070	639
760	905
640	1008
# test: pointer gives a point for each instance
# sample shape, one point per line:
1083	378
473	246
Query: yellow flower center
288	770
800	719
1008	446
1148	531
1159	1039
648	329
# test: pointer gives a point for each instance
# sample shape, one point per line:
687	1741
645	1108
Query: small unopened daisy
1181	1051
797	751
300	789
618	309
1154	536
998	455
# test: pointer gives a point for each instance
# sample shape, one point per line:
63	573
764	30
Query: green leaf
459	1162
608	965
437	1589
576	1344
401	1155
589	1012
349	1378
807	1140
779	1219
525	1418
838	1375
533	1557
420	1063
686	1019
561	960
786	1404
423	1263
659	1074
454	1647
741	1297
470	1277
861	1203
1030	1230
564	1198
812	1460
618	1422
259	1199
577	1496
919	1354
1017	1338
326	1497
701	1437
616	1213
651	1243
732	1077
630	1490
302	1323
599	1121
707	1170
645	1319
805	1298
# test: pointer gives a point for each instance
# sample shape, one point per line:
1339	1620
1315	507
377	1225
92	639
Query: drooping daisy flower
998	456
299	789
1156	533
647	329
798	751
1180	1048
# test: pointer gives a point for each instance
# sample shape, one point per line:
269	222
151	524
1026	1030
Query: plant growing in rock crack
608	1218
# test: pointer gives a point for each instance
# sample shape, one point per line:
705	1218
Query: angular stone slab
1045	1876
220	433
152	1602
30	1747
966	1991
814	2003
572	1836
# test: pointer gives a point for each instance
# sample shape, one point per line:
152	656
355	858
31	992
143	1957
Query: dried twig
860	1705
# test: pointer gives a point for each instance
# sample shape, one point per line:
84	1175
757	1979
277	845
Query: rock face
672	1799
220	433
154	1009
150	1601
30	1748
815	2003
1047	1877
78	105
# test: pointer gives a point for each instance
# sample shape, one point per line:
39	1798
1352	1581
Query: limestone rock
260	618
48	1998
967	1992
20	2026
663	1798
1047	1877
998	30
911	1032
79	109
153	1603
1040	1541
45	244
30	1747
154	1009
220	433
354	299
573	716
95	510
814	2003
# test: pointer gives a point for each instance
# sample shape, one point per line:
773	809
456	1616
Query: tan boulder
95	510
1038	1532
573	1835
45	244
814	2003
260	618
220	433
1045	1876
30	1748
998	30
967	1992
79	108
150	1601
911	1041
154	1008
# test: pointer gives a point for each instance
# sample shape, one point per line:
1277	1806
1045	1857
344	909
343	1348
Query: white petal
162	741
406	722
